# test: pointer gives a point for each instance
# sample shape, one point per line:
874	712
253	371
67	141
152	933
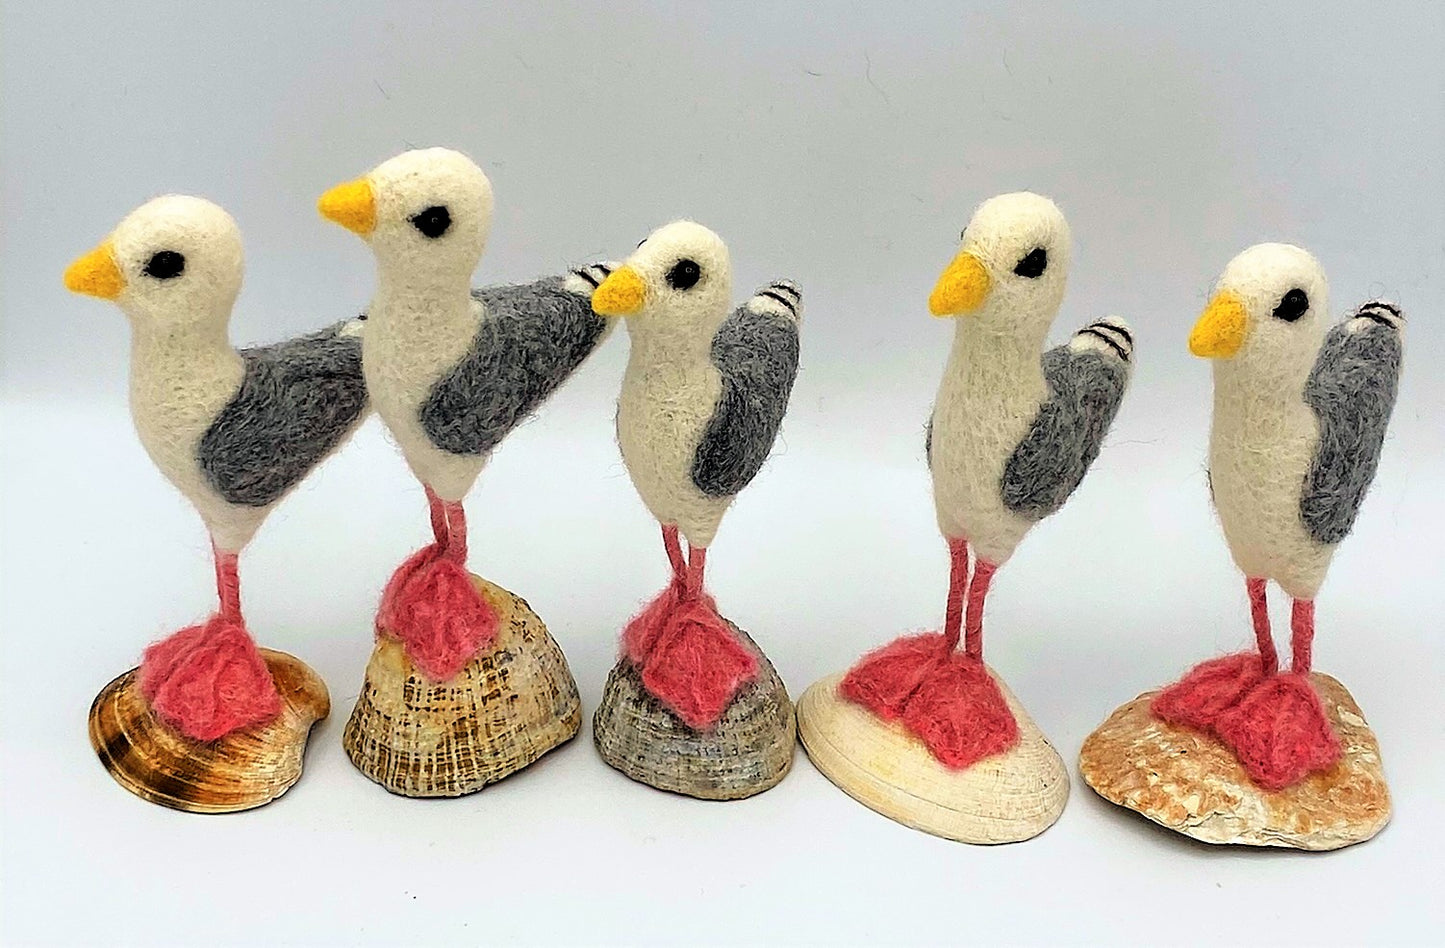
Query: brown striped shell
1005	798
240	771
749	750
507	707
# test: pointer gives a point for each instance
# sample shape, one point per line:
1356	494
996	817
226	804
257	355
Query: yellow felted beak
352	205
621	294
96	274
1220	331
962	288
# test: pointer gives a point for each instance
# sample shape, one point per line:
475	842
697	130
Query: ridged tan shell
503	710
240	771
749	750
1005	798
1188	781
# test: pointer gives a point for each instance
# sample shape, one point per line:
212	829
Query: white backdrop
841	145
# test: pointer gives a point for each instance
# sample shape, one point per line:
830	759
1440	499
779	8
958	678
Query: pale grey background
842	145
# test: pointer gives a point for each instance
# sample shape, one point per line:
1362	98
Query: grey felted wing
532	337
1086	385
1352	390
755	351
298	401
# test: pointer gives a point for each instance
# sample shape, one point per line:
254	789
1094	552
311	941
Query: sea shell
504	709
1005	798
243	770
749	749
1188	781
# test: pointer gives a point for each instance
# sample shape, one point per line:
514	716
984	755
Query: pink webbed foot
884	679
1279	732
431	607
959	712
641	633
696	666
944	698
1208	690
209	680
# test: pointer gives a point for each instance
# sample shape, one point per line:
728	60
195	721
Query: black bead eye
1033	263
165	264
432	222
684	275
1292	306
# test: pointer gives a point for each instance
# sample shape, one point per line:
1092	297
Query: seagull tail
1110	336
780	296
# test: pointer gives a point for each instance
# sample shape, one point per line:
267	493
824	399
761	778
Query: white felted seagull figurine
234	431
1300	412
1013	431
452	370
702	399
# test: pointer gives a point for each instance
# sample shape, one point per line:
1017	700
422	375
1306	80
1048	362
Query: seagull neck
678	342
992	355
425	300
172	347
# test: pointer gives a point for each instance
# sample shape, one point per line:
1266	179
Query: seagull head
1268	309
1010	270
173	263
679	277
425	212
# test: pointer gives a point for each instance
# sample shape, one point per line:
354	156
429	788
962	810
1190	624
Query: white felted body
1264	435
991	391
178	384
668	395
1261	445
417	330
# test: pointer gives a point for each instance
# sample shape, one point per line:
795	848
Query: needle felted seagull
1299	419
1013	432
233	431
702	399
451	371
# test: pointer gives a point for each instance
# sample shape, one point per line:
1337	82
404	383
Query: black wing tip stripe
788	287
1114	327
588	277
779	299
1379	311
1119	350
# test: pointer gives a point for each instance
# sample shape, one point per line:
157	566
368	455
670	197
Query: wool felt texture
702	399
1299	414
689	659
705	389
1012	434
233	431
1013	428
298	401
208	680
452	370
533	338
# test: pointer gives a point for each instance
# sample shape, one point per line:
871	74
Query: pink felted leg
696	665
884	679
977	592
641	632
209	680
430	604
944	697
957	584
1279	732
1302	635
1213	687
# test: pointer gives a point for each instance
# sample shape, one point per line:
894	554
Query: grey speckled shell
756	353
1352	391
534	336
297	402
1085	389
